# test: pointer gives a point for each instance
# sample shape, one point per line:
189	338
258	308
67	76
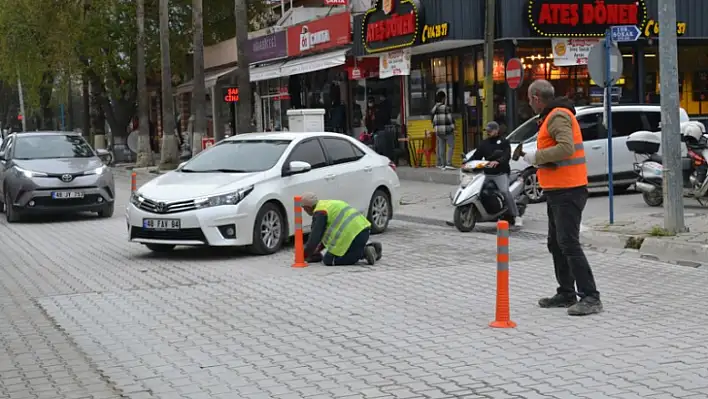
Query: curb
429	175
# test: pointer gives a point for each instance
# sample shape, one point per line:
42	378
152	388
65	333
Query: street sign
625	33
514	73
597	64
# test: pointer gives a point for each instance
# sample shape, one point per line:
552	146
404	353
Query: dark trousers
565	211
354	254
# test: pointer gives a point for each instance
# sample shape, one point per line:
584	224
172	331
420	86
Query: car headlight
223	199
136	199
29	173
97	171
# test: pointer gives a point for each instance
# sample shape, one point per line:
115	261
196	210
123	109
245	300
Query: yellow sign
652	28
432	32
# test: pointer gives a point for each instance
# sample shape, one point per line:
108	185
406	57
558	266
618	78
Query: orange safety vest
567	173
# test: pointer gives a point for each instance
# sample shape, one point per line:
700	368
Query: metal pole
489	63
670	122
608	113
22	103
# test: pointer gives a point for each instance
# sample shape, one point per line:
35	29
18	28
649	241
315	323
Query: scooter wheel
465	218
654	198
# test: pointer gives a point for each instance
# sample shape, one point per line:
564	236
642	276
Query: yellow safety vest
344	223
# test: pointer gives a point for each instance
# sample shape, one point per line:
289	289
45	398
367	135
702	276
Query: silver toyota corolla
53	172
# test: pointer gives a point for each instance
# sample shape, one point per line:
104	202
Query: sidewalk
643	230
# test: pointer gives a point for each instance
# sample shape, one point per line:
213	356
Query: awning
266	72
314	63
210	79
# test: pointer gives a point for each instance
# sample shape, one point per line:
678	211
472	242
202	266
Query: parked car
241	191
53	172
626	119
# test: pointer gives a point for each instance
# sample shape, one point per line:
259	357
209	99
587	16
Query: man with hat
497	150
342	230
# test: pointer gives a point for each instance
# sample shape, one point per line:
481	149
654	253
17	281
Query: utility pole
22	103
244	108
488	110
670	122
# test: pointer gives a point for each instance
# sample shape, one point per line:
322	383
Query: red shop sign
335	2
584	18
319	34
390	25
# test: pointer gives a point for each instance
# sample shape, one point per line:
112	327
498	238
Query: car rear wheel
380	211
269	230
107	211
532	189
160	248
11	213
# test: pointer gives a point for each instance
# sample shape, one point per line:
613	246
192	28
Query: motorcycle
650	170
478	200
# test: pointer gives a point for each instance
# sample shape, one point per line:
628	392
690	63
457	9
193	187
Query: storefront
438	38
312	76
553	38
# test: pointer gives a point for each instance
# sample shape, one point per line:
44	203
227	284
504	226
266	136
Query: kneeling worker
341	230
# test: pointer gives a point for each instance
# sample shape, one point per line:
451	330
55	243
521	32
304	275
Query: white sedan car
241	191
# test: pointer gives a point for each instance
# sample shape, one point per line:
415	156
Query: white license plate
67	194
161	224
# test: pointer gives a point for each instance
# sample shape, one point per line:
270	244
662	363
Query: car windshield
238	156
48	146
524	132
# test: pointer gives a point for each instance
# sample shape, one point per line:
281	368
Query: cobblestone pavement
86	314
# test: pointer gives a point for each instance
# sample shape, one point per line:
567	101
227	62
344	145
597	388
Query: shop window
430	76
341	151
309	151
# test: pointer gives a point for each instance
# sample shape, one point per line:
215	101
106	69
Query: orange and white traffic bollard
133	182
503	314
299	240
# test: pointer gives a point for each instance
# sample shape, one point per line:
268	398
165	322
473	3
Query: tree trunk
144	157
70	107
98	119
199	88
86	105
45	102
169	153
244	113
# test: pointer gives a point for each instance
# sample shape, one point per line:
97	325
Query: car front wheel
380	211
532	189
269	230
11	213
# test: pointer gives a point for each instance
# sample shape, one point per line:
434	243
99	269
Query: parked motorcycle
650	170
478	200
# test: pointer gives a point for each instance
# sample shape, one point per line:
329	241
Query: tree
244	112
198	89
169	153
144	149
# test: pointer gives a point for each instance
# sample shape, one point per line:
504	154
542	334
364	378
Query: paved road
87	315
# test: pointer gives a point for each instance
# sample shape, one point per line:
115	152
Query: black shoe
558	301
370	254
587	306
378	248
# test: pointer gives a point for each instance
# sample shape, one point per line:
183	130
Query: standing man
562	174
497	150
444	128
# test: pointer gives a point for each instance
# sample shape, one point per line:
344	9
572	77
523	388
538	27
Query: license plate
161	224
67	194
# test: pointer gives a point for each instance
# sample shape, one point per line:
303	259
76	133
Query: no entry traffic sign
514	73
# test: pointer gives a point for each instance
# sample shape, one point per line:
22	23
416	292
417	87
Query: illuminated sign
432	32
652	28
390	25
230	94
583	18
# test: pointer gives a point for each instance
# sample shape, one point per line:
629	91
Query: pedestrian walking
444	127
562	174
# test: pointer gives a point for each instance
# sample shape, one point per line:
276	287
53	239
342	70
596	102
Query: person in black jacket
497	150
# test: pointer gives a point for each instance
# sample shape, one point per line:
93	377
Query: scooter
650	171
478	200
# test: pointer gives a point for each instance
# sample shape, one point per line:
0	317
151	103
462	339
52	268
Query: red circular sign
514	73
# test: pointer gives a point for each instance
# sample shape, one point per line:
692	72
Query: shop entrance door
274	107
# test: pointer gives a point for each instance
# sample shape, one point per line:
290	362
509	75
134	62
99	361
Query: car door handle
596	147
368	169
329	177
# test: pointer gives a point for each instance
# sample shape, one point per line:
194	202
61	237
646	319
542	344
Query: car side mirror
103	154
297	167
181	165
